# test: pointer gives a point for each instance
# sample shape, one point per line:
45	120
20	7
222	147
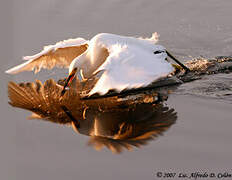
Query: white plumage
126	62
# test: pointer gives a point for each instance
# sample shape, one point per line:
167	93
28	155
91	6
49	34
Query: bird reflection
126	127
117	122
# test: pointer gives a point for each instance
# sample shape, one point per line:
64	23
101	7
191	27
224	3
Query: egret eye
159	51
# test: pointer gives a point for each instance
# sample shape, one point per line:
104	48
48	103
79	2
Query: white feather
127	62
36	63
131	62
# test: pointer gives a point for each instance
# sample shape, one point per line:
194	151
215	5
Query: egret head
73	69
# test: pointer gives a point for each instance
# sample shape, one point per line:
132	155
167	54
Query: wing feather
130	67
60	55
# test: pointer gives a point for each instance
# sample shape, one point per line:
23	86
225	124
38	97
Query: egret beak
69	80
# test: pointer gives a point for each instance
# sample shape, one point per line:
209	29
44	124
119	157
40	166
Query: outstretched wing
61	55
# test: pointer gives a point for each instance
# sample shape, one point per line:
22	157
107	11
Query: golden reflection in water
116	122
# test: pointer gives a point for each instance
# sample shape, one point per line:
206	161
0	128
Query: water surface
199	141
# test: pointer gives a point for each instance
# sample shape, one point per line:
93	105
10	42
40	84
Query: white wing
131	67
61	55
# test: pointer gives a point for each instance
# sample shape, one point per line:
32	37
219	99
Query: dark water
199	141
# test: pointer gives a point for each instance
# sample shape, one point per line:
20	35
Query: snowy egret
123	62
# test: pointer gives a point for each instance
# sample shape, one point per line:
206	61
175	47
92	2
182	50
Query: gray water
199	141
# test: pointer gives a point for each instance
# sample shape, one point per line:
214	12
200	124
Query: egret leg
178	62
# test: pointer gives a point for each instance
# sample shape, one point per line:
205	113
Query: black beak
68	80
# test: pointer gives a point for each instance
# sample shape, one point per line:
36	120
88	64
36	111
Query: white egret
124	62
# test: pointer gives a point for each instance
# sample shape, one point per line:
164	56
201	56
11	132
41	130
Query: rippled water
200	140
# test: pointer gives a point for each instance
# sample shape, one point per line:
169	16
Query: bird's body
125	62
